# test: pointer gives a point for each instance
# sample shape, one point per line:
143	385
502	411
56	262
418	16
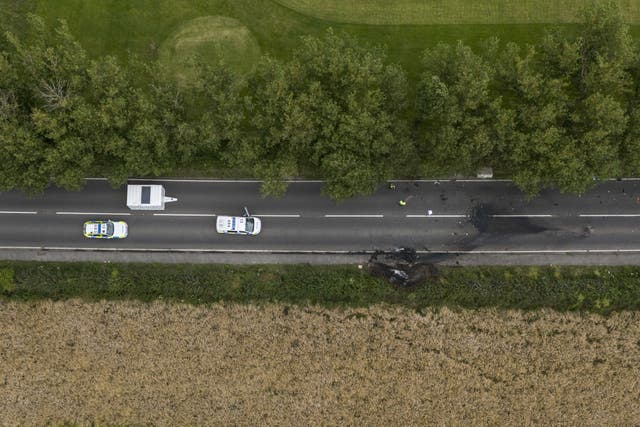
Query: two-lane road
605	218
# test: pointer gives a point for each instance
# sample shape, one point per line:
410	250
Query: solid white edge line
314	180
611	215
93	213
354	252
168	214
22	247
196	180
205	180
211	215
352	216
541	251
450	180
293	181
19	212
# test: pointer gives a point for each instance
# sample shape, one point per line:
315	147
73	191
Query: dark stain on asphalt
586	231
481	216
492	230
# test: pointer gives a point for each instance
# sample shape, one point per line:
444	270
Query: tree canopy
570	99
560	114
458	113
335	108
66	117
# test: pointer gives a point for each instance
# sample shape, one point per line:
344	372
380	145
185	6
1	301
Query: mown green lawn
429	12
141	26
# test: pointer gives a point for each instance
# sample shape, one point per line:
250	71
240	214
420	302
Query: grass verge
427	12
593	289
116	27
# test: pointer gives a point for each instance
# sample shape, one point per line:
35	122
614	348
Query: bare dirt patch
136	363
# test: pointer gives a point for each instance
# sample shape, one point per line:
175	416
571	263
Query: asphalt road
466	215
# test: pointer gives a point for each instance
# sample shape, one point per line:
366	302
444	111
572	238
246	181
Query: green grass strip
429	12
592	289
145	27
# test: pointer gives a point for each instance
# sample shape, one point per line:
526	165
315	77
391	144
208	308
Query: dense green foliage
64	116
594	289
457	110
552	115
573	109
335	107
115	27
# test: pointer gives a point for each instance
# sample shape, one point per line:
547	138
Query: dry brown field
134	363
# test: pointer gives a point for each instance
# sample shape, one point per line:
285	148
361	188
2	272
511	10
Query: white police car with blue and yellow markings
106	229
238	225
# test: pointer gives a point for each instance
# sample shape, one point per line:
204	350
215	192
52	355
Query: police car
238	225
105	229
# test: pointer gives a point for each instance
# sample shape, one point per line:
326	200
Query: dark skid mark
491	231
482	219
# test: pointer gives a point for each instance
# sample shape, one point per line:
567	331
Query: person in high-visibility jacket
402	203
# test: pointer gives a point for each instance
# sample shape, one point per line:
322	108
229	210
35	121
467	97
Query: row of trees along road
553	115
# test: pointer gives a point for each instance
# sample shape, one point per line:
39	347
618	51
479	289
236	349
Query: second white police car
238	225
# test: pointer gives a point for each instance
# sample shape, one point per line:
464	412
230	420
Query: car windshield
249	226
109	229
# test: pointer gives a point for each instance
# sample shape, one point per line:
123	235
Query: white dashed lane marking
610	215
438	216
353	216
277	215
187	214
19	212
522	216
94	213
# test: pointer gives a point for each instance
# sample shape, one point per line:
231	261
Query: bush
560	288
7	284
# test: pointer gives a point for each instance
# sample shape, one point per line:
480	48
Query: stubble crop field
173	364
